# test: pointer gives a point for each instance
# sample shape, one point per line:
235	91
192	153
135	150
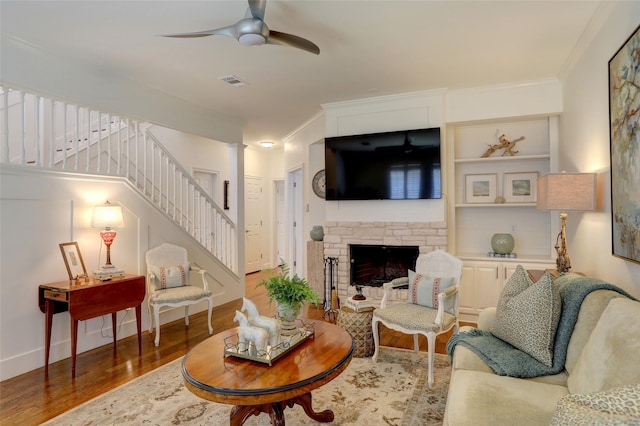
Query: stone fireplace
339	237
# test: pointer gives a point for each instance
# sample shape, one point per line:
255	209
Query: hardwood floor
34	397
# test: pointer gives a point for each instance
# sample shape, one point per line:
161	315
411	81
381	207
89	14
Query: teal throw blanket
507	360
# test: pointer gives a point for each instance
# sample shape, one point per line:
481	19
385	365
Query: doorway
254	208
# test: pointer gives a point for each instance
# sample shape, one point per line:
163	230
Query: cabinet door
479	286
467	296
488	286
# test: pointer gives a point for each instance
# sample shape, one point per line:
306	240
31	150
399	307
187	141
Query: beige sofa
602	360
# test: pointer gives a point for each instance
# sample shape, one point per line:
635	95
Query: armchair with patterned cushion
168	284
432	305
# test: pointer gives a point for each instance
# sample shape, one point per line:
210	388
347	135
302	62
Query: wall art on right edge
624	121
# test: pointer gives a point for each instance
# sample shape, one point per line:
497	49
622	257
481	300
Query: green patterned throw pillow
527	315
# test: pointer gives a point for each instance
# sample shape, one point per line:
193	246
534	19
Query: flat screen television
400	165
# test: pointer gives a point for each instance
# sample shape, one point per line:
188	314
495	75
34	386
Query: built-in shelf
484	276
501	159
496	205
520	259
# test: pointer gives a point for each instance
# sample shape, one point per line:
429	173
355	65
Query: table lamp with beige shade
564	192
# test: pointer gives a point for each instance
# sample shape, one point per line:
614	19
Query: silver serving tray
233	347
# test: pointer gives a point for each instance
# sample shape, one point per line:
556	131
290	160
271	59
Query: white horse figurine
248	333
272	325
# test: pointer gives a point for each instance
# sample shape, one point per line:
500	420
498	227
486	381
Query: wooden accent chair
168	271
432	305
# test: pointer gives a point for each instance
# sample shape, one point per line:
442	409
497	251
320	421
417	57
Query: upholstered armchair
432	305
168	284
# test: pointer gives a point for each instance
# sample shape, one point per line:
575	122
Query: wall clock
318	184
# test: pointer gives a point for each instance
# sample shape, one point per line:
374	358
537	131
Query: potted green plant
289	293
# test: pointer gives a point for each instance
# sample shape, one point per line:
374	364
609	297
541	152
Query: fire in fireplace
374	265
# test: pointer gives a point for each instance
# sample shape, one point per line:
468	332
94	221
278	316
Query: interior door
253	222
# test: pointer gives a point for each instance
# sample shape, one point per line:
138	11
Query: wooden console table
86	300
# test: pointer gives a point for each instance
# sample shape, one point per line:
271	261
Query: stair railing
41	132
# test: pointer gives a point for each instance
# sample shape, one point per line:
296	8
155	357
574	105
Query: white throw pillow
424	291
171	276
610	357
527	315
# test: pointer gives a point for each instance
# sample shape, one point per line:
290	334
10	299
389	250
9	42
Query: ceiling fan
253	31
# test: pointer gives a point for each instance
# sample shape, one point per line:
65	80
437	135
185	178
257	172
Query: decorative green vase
317	233
502	243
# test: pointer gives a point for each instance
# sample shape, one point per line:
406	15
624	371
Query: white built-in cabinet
475	223
482	282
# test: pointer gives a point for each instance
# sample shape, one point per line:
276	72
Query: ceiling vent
232	80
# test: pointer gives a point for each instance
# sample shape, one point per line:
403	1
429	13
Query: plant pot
288	315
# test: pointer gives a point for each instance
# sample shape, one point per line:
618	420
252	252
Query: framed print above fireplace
624	118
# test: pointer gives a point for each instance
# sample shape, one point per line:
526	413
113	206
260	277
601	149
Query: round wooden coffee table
254	388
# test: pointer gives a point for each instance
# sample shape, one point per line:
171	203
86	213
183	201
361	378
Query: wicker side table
358	325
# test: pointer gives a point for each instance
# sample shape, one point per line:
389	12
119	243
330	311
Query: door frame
279	215
295	208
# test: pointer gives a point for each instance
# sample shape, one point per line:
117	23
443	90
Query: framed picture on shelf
521	187
624	113
73	260
480	188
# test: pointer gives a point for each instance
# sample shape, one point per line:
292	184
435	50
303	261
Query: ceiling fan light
251	39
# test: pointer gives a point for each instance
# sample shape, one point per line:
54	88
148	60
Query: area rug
394	391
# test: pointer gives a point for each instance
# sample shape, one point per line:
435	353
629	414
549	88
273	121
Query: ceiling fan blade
228	31
284	39
257	8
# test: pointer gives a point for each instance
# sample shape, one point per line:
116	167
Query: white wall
316	208
39	210
584	143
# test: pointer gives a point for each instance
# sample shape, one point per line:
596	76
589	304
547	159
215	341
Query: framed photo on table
73	260
521	187
480	188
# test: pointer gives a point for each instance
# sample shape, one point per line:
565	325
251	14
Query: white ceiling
367	48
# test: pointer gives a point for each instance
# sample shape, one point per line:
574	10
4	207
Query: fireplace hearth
374	265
